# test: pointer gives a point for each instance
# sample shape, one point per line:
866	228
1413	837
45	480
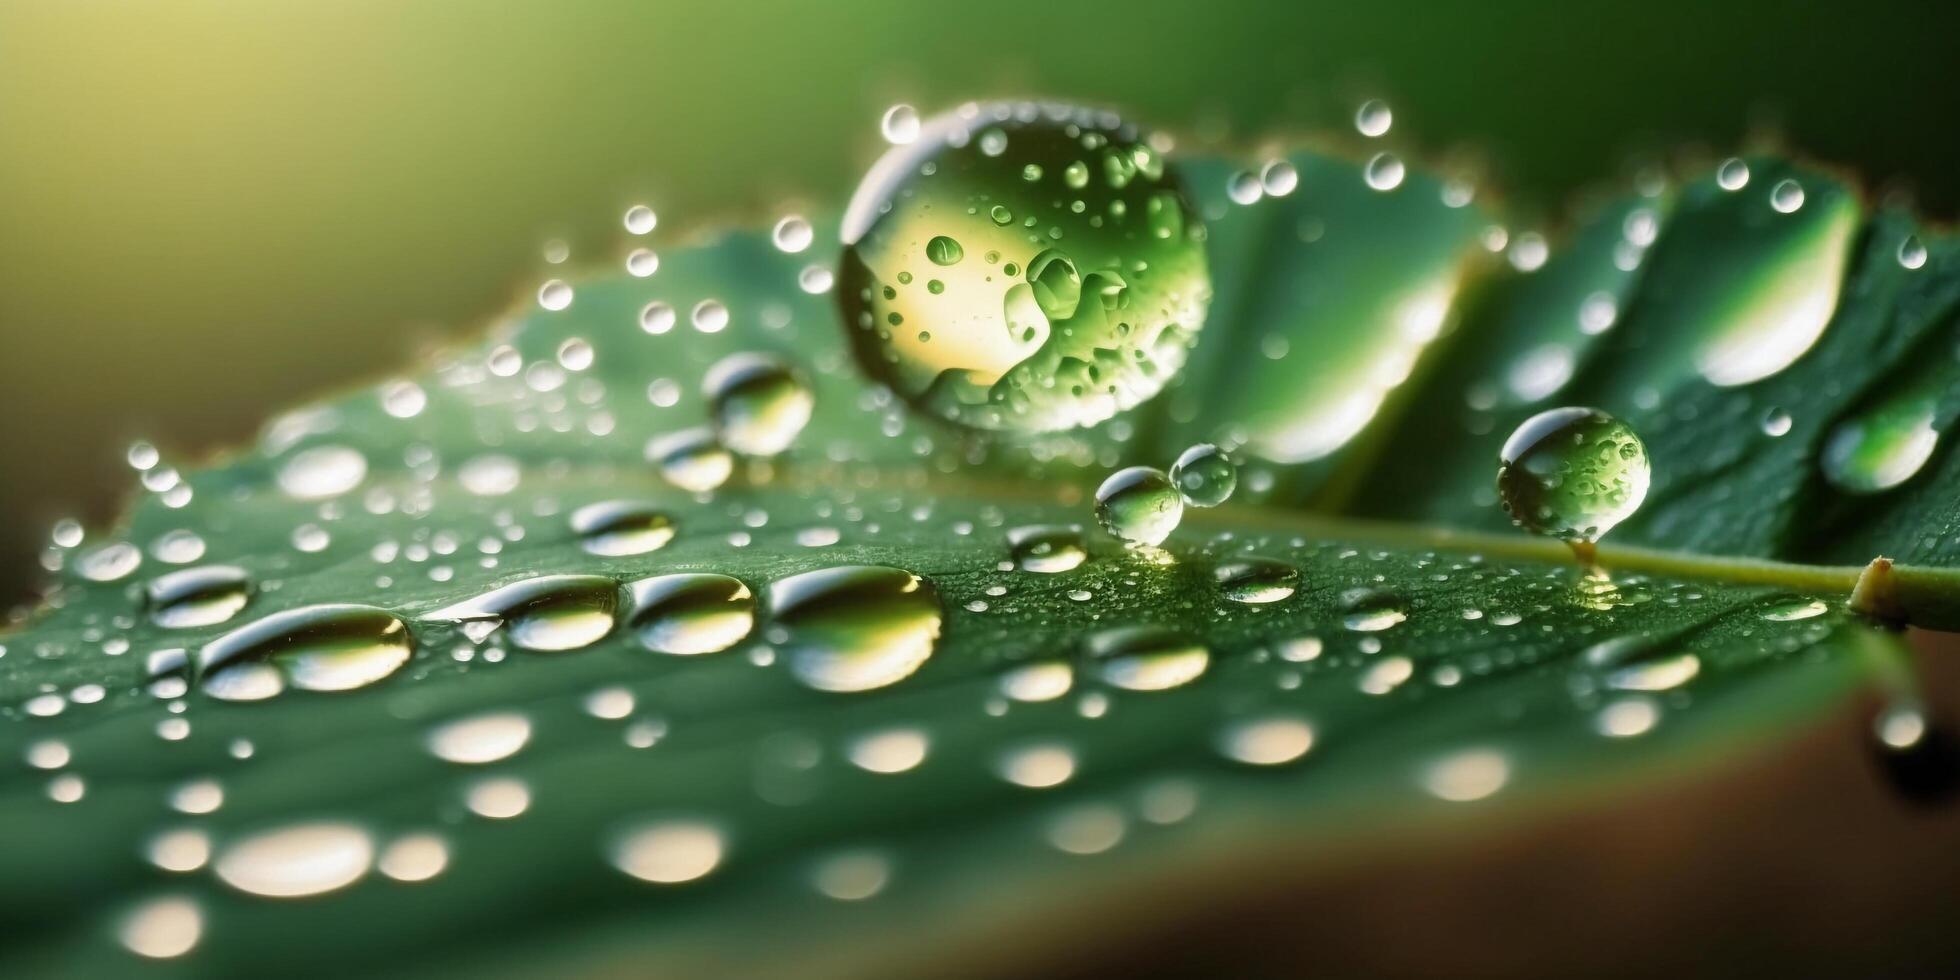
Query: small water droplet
555	295
1384	172
1373	118
891	751
196	597
1047	548
297	861
1147	658
1254	580
640	219
1039	765
1912	254
617	528
1786	196
1266	741
793	234
480	739
1733	175
759	403
322	472
692	459
669	852
1776	422
900	124
1467	776
162	928
1371	610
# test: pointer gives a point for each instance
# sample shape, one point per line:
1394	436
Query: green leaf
1365	346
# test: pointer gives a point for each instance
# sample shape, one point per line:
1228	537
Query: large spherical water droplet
1147	658
1013	341
1572	473
1373	118
758	403
855	627
314	648
1139	505
196	597
548	614
1205	475
691	613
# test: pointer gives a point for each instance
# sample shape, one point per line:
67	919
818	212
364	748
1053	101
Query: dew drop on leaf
1572	473
854	627
335	647
1140	505
689	613
759	404
195	597
1205	475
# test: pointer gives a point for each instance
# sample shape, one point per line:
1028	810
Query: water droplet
942	250
313	648
1244	188
709	316
1468	775
162	928
640	219
1266	741
1912	254
414	857
1140	505
889	752
198	596
1371	610
759	404
669	852
1572	473
692	459
480	739
1733	175
1087	829
1043	681
297	861
815	279
1384	172
1886	445
690	613
900	125
993	348
548	614
852	876
555	295
181	851
1147	658
1047	548
1627	718
1373	118
1205	475
1795	609
498	798
1279	178
321	472
490	475
657	317
403	399
1786	196
1040	765
793	234
642	262
616	528
855	627
1776	422
1386	675
1255	580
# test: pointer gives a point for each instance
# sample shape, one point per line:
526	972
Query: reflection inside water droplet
617	528
196	597
315	648
550	613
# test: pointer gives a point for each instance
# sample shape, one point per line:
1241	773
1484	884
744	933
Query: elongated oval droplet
691	613
1205	475
297	861
313	648
1047	548
855	627
759	404
1147	658
972	252
548	614
1139	505
693	459
616	528
1255	581
1572	473
195	597
1372	610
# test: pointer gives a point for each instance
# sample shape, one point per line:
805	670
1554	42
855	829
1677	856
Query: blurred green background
212	209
